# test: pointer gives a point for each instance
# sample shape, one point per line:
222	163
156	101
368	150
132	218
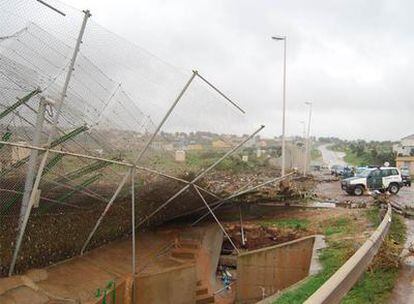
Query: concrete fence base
263	272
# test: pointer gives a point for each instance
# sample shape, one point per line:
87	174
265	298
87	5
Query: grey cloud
351	57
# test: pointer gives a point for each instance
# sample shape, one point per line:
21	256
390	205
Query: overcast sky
352	58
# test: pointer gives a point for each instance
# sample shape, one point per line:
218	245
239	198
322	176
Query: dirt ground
259	224
329	189
259	233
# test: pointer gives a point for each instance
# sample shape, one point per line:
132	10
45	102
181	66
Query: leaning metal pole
217	220
120	186
198	177
49	141
241	226
307	145
133	261
221	93
31	166
218	203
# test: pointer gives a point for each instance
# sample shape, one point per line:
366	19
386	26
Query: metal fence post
133	261
217	220
31	166
241	226
26	212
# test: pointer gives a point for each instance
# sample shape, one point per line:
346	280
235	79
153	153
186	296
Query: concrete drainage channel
258	273
342	281
188	275
333	290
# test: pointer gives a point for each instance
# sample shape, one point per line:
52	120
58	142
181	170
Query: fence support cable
217	220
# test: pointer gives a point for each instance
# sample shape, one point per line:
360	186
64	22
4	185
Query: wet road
332	157
403	291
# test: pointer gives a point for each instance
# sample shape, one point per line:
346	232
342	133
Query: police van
382	179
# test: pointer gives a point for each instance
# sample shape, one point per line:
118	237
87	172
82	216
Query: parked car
337	170
382	179
360	170
347	172
406	177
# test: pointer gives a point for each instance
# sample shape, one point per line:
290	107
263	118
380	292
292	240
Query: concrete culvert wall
176	285
263	272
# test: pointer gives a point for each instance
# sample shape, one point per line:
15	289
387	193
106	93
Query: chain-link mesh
117	95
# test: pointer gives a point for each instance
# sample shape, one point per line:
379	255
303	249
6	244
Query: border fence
90	127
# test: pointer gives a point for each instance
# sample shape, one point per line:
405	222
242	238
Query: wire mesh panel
122	107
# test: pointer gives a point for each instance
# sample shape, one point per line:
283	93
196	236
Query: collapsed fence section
81	112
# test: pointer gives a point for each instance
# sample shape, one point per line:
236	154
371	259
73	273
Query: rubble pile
258	236
297	188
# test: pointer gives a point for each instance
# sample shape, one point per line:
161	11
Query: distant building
405	153
168	147
263	144
220	144
180	156
405	147
195	147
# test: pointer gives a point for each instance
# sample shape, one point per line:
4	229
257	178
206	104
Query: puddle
322	204
316	266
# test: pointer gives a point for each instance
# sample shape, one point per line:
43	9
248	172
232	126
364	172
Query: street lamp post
283	38
303	123
307	145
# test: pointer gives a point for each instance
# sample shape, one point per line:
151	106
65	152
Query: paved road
332	157
403	291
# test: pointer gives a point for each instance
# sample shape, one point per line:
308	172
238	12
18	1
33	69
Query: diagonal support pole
125	178
25	217
243	240
221	93
217	220
218	203
31	166
198	177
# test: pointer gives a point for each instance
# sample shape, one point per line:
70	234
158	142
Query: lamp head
279	37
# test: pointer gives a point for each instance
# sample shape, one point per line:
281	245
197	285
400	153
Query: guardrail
333	290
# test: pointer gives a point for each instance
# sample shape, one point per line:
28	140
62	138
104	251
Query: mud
257	236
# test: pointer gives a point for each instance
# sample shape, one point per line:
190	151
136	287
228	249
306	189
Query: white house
405	147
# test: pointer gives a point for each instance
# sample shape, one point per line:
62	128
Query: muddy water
403	291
